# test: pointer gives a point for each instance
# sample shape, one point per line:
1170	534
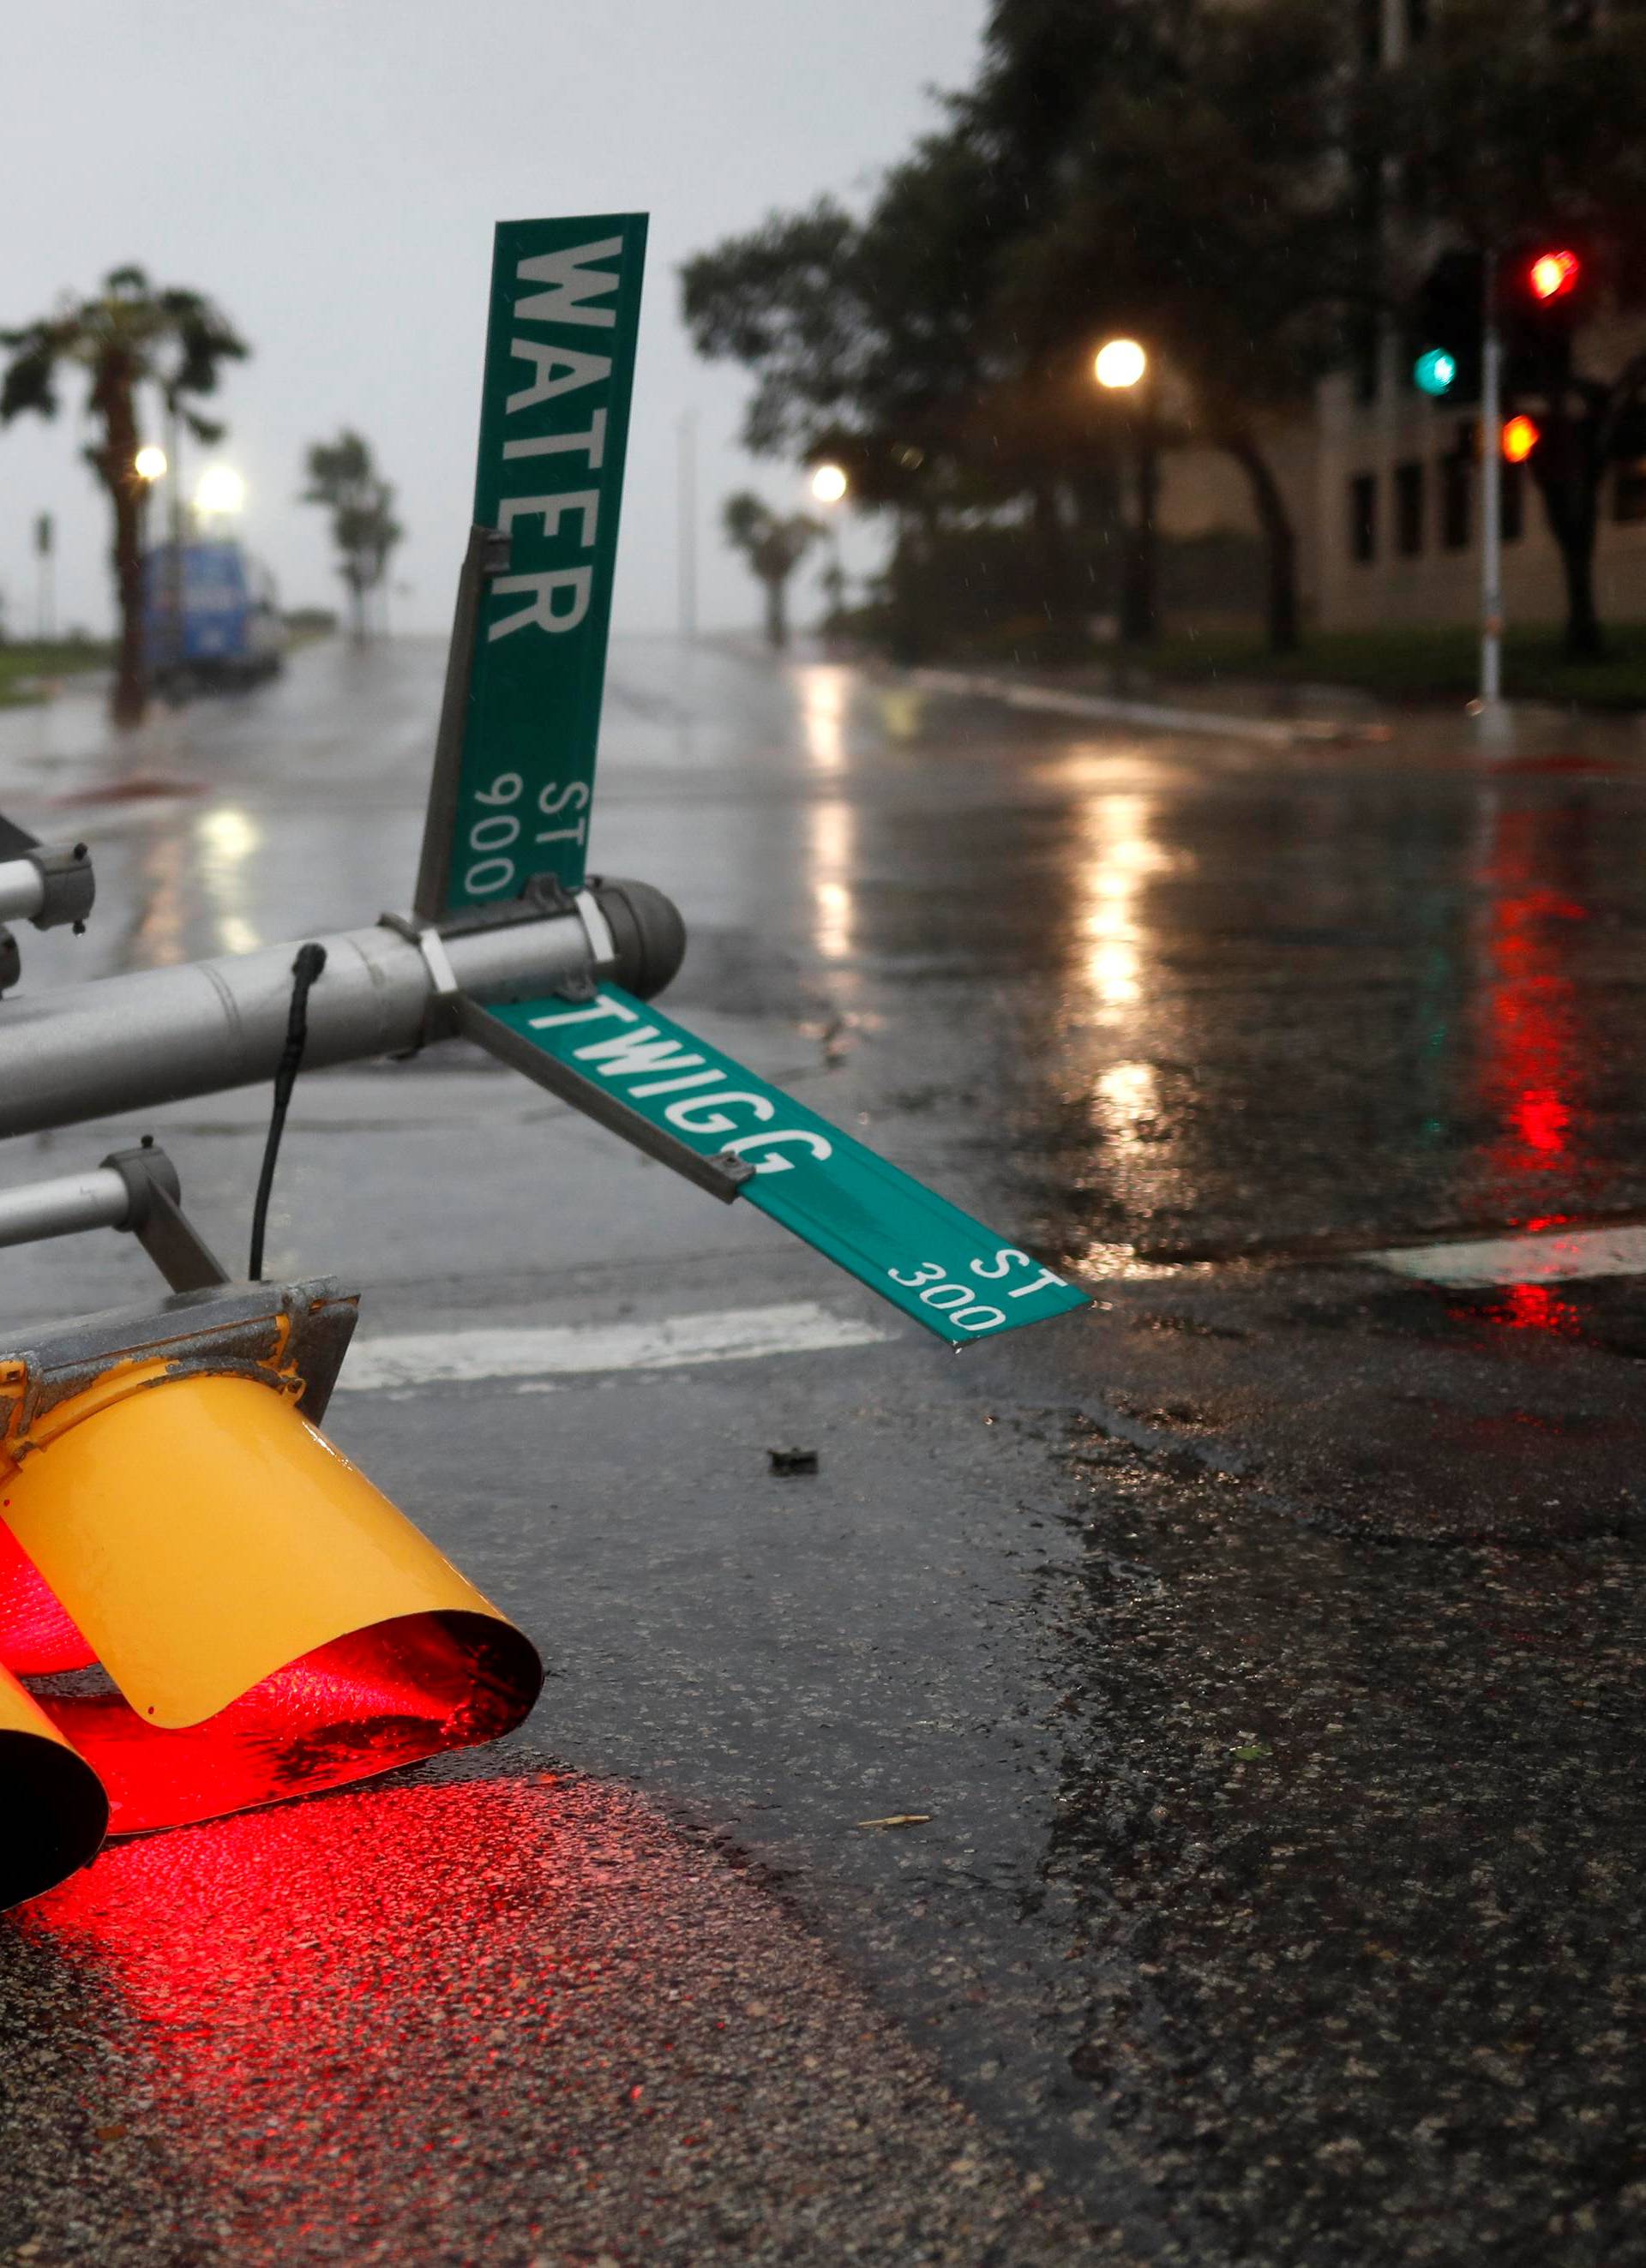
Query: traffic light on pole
1543	295
1444	328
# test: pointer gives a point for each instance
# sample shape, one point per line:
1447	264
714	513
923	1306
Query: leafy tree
1514	123
773	545
342	475
130	335
870	345
1162	168
1185	188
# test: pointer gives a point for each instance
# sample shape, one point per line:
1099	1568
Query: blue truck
212	615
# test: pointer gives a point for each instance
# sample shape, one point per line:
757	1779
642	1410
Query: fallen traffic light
54	1812
218	1608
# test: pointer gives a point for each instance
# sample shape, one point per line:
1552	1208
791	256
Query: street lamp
828	485
221	492
1120	365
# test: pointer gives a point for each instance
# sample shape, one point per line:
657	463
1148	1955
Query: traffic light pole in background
1492	715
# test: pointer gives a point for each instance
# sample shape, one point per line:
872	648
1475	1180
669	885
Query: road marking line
732	1335
1554	1256
1102	709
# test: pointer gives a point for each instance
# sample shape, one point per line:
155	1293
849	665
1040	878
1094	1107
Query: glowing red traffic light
1520	438
1552	275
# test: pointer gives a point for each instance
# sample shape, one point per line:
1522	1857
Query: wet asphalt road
1264	1647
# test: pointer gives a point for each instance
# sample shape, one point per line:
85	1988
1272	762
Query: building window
1363	516
1408	509
1512	516
1628	492
1456	487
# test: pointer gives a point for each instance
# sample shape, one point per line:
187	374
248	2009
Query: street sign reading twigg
554	430
912	1246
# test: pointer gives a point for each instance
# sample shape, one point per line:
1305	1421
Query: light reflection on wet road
1243	995
1267	1645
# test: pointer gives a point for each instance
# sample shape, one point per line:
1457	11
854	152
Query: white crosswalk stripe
1550	1256
730	1335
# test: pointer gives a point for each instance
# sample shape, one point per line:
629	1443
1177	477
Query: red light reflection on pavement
463	2022
390	1695
1526	1307
1532	1057
36	1635
326	2001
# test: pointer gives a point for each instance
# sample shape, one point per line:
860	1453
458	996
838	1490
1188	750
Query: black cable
311	959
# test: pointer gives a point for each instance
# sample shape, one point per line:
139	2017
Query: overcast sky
330	171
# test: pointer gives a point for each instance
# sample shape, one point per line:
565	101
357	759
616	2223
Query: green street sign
916	1249
554	430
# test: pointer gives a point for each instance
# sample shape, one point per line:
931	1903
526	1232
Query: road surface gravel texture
1253	1662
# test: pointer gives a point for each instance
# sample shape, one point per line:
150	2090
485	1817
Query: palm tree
774	547
130	335
343	477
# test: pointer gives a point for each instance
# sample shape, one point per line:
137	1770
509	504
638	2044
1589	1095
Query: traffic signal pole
120	1044
1491	697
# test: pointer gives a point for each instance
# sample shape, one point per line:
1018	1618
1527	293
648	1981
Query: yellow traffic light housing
216	1608
54	1812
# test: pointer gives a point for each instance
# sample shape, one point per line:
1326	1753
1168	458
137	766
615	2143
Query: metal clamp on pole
46	883
158	1221
440	1020
136	1190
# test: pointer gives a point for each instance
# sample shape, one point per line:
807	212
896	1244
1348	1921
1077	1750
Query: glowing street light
829	483
150	463
1120	364
221	490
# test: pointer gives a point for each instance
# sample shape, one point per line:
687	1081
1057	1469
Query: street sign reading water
554	430
513	784
913	1247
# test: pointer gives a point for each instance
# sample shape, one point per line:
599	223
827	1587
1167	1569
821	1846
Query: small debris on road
789	1462
899	1819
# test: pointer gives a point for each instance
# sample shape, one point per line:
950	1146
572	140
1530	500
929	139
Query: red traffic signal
1519	437
1553	274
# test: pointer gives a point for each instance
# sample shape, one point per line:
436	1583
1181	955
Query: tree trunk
357	610
1279	542
777	613
116	465
1568	466
1585	640
1140	598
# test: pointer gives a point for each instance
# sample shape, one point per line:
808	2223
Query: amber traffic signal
1520	436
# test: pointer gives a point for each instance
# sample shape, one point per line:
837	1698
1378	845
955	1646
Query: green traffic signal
1435	371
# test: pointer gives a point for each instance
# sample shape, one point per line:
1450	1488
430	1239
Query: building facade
1395	508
